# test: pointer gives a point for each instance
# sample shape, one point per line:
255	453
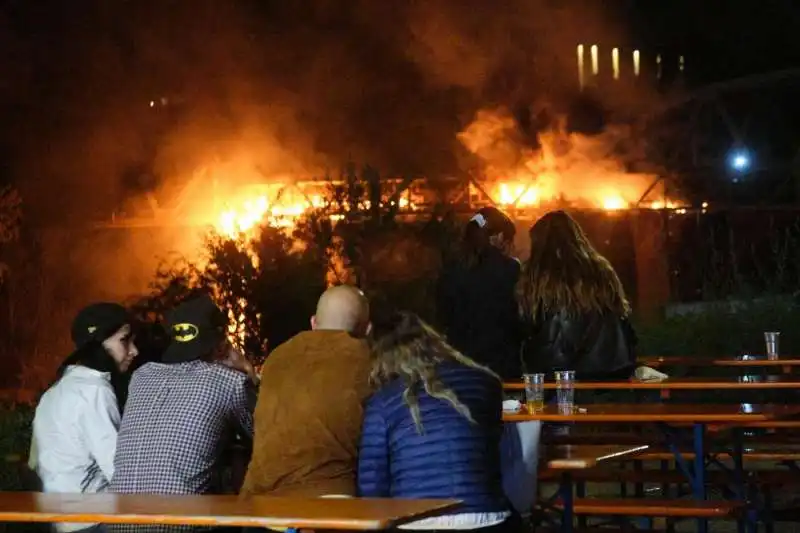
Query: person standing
476	304
573	306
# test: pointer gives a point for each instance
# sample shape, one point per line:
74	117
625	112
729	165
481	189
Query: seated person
181	412
76	420
433	428
309	410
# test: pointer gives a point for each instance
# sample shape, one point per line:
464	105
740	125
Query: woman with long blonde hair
573	305
433	428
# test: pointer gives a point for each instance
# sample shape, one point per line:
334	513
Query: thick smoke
113	100
298	86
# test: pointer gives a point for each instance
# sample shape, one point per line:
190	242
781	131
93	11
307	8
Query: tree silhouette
269	281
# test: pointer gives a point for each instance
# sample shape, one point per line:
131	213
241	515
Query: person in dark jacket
573	306
475	301
433	428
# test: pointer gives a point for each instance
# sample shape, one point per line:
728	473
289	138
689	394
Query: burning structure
565	170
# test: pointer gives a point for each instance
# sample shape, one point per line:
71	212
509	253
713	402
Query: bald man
342	308
309	411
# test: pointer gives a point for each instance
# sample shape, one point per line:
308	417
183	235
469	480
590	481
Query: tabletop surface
312	513
690	383
754	360
659	412
580	456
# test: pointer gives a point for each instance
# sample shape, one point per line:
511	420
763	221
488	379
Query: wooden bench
572	462
672	477
260	511
584	456
783	438
769	448
599	529
651	507
749	454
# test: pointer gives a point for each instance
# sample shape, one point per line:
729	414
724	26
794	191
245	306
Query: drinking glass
534	392
772	340
565	387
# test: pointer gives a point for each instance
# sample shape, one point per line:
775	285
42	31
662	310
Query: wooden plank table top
659	412
229	510
581	456
750	361
691	383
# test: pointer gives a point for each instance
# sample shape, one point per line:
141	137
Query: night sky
389	83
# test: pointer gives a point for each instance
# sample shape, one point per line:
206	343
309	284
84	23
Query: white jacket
75	434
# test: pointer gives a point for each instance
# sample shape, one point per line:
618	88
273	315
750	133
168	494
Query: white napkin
512	405
645	373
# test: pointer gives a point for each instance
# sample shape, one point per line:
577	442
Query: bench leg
580	490
567	500
769	521
699	478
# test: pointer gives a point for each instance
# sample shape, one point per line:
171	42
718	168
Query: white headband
479	219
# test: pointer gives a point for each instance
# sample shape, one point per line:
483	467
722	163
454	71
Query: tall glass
772	340
534	392
565	388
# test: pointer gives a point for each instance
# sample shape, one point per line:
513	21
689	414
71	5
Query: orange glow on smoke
580	171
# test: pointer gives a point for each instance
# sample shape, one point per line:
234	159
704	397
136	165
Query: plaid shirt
176	424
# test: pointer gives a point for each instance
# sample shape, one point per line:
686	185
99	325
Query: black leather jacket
596	346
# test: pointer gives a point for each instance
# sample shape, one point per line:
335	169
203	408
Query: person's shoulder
511	265
459	374
225	374
149	368
84	382
285	349
385	394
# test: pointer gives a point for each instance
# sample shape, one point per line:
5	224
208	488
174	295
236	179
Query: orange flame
580	170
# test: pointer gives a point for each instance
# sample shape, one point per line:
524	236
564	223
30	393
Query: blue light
740	160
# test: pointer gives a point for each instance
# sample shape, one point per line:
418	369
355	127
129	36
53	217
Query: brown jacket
308	416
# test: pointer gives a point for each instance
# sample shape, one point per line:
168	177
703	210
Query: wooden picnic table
228	510
664	414
690	383
582	456
659	412
786	363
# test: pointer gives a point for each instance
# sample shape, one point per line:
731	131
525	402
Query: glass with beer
534	392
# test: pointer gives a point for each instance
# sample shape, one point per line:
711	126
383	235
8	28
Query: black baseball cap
97	322
196	327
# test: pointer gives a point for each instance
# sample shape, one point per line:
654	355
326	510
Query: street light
740	160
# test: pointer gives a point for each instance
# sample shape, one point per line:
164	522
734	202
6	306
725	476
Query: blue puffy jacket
453	458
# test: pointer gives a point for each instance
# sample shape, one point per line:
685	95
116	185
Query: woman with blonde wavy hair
573	305
433	428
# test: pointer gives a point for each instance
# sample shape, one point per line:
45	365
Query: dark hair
487	222
565	273
91	355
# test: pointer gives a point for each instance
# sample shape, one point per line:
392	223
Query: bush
722	330
268	282
15	439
